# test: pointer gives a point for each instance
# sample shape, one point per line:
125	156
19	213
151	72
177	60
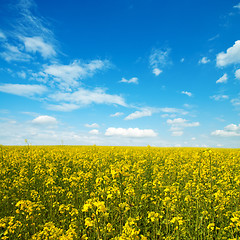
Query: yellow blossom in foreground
92	192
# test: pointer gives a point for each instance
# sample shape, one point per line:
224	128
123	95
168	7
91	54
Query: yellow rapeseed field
91	192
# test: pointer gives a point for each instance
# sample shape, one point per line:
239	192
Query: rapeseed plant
91	192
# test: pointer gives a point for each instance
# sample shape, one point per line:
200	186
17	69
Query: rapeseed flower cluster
91	192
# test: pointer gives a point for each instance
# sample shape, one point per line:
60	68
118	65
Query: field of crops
79	192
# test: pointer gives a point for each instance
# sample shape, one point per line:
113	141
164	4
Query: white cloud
204	60
158	59
219	97
22	74
182	122
14	133
29	24
214	37
235	102
231	130
25	90
186	105
232	55
94	132
237	6
117	114
93	125
222	79
13	53
130	132
84	97
232	127
187	93
31	35
173	110
157	71
220	119
148	111
166	115
63	107
45	120
132	80
145	112
32	114
237	74
176	121
178	124
68	75
37	44
2	35
177	133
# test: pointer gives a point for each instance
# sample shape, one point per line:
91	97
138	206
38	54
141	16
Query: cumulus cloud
69	75
187	93
85	97
204	60
144	112
45	120
14	133
94	132
132	80
117	114
178	124
222	79
237	74
157	71
37	44
149	111
232	55
219	97
130	132
25	90
182	122
231	130
93	125
158	59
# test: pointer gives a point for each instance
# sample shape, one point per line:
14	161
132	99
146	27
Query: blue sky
146	72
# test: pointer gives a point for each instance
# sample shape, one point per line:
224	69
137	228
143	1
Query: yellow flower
89	222
86	206
109	227
211	226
